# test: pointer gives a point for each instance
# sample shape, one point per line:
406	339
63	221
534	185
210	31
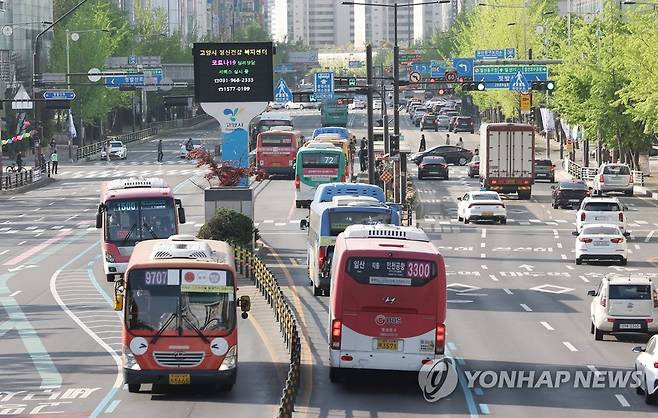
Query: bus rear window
320	160
338	221
391	271
276	140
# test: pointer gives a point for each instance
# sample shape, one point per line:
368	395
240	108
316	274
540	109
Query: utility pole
371	134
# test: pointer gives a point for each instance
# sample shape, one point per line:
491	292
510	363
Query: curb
28	187
643	191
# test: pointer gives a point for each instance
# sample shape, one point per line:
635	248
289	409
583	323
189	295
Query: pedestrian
447	139
476	152
42	162
363	142
460	143
160	154
19	161
363	157
423	144
188	146
54	159
52	144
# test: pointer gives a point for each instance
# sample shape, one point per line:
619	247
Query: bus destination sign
233	72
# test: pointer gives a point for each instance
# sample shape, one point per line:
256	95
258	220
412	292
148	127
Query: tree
252	32
230	226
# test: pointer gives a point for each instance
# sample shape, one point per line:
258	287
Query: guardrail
638	177
588	173
14	180
250	266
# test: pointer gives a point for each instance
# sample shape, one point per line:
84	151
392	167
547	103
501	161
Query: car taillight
336	327
553	168
603	302
582	217
472	205
655	365
601	179
297	183
322	254
617	240
621	216
440	339
631	180
445	165
585	240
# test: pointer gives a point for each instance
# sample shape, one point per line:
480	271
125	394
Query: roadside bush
230	226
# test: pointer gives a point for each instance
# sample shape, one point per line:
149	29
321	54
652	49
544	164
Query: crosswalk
124	163
102	174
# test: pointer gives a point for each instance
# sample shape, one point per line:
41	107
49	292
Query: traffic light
548	85
345	81
393	145
474	86
445	91
303	97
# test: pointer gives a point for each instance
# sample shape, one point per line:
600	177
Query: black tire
503	221
629	193
316	290
462	161
298	204
226	387
335	375
579	261
650	399
591	328
467	221
598	334
623	262
134	387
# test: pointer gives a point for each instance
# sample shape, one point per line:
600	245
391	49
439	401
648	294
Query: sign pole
371	133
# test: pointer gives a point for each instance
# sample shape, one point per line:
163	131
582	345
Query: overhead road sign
409	56
437	71
23	100
495	54
59	95
519	82
282	92
124	80
233	72
463	66
355	64
324	85
499	76
424	68
284	68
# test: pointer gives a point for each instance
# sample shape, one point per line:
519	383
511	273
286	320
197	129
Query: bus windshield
338	221
177	299
273	140
134	220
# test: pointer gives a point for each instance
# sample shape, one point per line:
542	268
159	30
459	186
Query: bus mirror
99	220
245	304
118	302
303	224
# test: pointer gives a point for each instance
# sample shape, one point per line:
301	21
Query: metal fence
250	266
14	180
588	173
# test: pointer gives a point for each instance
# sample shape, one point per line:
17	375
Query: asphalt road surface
517	303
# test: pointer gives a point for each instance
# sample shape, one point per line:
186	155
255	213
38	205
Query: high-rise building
580	7
188	17
21	21
228	16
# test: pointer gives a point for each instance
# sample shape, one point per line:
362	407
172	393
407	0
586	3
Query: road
517	302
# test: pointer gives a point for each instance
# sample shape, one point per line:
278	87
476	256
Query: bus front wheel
335	375
134	387
298	203
316	290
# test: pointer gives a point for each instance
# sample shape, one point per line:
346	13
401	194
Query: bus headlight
128	359
109	257
231	359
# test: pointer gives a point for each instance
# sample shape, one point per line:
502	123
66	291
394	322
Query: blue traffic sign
463	66
324	85
519	82
124	80
282	92
284	68
424	68
500	76
132	60
59	95
437	71
495	54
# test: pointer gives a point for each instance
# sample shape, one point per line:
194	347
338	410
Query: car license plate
630	326
574	200
487	213
179	379
387	344
600	244
276	164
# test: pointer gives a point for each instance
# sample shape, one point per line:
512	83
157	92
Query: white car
624	304
356	104
294	105
479	206
601	210
275	105
117	150
646	363
601	242
613	178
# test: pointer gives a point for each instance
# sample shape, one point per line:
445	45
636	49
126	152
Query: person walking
19	162
447	139
160	154
52	144
363	142
423	144
460	143
54	159
363	156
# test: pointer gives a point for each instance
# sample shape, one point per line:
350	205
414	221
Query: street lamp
75	37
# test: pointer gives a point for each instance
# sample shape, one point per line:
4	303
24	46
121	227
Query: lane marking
16	293
38	248
4	252
484	408
622	400
509	292
483	244
569	346
484	267
112	406
493	277
483	255
637	246
547	325
583	278
569	267
648	238
21	243
564	256
594	370
526	307
484	233
559	245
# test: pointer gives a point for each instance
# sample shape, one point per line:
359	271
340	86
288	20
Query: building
189	17
580	7
228	16
21	21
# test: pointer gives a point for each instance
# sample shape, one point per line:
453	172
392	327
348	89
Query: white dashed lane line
622	400
569	346
509	292
547	326
493	277
526	307
583	278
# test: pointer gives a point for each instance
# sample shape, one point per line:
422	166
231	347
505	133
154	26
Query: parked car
624	304
474	167
480	206
276	105
601	242
442	122
598	210
545	169
653	151
357	104
451	153
613	178
569	194
117	150
463	124
428	121
432	166
646	364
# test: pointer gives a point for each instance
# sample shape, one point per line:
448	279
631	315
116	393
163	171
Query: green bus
317	163
332	114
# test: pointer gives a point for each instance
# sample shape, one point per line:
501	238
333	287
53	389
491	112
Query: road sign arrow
528	267
21	267
622	268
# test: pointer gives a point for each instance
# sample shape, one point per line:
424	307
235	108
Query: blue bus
343	132
335	207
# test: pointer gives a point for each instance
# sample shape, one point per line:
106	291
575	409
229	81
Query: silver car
613	178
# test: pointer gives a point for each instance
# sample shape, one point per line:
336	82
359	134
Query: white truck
507	155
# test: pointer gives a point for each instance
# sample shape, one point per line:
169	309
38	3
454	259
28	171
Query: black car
451	153
569	194
428	122
431	166
545	169
463	124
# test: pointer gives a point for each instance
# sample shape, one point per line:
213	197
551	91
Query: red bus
179	316
388	300
276	151
133	210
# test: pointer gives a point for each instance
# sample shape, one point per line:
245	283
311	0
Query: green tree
230	226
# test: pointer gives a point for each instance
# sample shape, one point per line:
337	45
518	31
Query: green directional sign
351	82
